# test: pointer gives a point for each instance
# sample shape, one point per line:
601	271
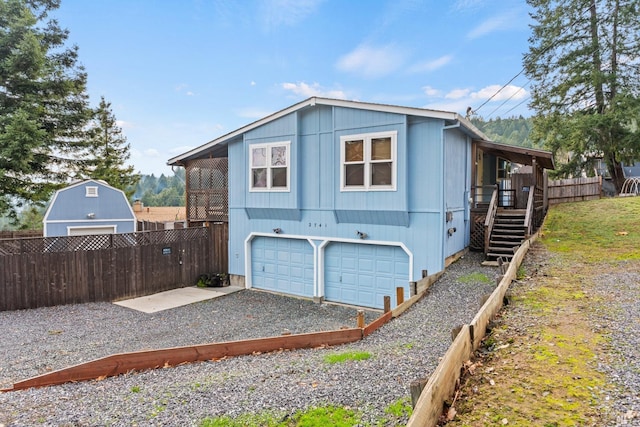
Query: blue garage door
282	265
363	274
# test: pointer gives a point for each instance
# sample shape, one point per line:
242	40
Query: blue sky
180	73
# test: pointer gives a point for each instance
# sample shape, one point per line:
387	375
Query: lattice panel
477	232
99	241
207	190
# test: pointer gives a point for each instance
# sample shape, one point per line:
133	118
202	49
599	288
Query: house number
317	224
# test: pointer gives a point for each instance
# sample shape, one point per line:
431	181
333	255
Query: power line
551	45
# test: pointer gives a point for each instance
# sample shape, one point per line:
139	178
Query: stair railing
528	218
491	215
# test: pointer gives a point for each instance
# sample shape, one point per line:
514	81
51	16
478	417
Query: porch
508	200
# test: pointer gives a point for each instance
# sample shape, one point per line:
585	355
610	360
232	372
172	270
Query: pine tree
583	63
43	104
108	151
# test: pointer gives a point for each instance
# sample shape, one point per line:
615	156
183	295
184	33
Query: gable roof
97	182
450	118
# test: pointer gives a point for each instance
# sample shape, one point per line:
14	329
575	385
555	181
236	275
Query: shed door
86	231
363	274
282	265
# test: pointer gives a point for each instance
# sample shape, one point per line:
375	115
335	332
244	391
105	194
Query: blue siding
425	170
71	207
457	188
315	208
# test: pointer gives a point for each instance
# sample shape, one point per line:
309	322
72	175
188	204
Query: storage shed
89	207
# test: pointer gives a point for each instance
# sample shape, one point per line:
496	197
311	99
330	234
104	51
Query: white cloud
151	152
431	92
496	23
306	90
276	13
462	5
431	65
122	124
457	94
509	92
184	88
252	83
372	61
458	100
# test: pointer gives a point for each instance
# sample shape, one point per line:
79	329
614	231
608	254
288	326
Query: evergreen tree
108	151
43	104
583	64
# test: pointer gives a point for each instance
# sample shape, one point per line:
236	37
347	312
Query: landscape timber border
442	382
123	363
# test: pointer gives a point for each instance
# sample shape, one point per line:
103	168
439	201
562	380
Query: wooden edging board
118	364
442	382
150	359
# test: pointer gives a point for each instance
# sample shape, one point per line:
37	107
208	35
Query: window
368	162
91	192
504	168
269	165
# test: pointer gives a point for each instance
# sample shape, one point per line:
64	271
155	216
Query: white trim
267	146
114	228
318	252
367	161
313	101
59	221
91	191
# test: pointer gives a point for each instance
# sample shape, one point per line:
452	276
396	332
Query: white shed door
282	265
363	275
86	231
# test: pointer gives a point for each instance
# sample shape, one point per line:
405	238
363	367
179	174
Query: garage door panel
362	274
282	265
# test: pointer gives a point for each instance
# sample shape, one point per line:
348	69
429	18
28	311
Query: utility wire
551	45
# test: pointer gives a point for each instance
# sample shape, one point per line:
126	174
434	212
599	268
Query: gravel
408	348
618	318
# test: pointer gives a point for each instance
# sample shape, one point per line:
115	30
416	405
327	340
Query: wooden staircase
508	232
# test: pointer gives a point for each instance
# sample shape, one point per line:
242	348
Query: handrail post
529	214
488	222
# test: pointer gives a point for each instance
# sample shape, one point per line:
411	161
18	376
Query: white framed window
269	168
368	162
91	191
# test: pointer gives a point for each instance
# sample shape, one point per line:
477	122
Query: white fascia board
313	101
70	221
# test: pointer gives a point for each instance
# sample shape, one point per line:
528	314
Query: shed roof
513	153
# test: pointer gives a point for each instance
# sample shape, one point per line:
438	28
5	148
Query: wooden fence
574	190
44	272
19	234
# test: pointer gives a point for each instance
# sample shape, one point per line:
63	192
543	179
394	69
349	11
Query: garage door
363	274
282	265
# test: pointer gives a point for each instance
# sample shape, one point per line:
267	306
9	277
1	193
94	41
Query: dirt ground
539	363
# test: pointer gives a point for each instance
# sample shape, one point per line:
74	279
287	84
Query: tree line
582	63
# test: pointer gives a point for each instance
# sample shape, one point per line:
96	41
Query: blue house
345	201
88	207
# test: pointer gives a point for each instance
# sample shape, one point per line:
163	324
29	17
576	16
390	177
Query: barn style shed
89	207
346	201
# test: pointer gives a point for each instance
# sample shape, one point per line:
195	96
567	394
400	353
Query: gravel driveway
408	348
